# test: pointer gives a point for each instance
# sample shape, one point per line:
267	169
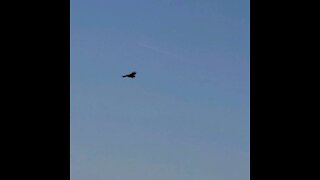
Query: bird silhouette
131	75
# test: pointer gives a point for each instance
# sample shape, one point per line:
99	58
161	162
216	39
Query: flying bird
131	75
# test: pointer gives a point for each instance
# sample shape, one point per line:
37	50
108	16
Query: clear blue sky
186	114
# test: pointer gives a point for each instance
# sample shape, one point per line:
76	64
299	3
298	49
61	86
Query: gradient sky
186	115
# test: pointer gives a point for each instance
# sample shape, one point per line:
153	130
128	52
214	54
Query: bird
131	75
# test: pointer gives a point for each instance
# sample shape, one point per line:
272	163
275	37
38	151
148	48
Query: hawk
131	75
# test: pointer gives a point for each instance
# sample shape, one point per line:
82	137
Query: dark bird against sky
131	75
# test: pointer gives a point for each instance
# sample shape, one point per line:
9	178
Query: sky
186	115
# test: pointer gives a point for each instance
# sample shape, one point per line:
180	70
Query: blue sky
186	114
